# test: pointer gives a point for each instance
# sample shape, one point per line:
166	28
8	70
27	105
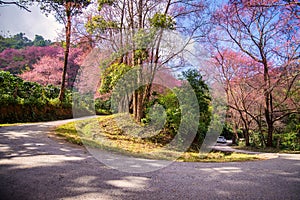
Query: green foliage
173	109
227	131
292	123
290	138
287	137
23	101
255	139
143	39
140	54
201	90
99	24
39	41
101	3
160	20
111	75
20	41
102	107
17	41
51	92
290	141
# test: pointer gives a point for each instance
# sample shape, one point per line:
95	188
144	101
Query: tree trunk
234	135
124	104
140	107
270	135
246	135
139	92
268	116
67	49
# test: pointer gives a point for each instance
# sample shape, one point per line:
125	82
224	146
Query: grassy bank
265	150
115	134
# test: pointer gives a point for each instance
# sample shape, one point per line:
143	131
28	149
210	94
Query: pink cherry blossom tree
269	37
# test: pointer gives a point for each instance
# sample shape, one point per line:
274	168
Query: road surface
36	165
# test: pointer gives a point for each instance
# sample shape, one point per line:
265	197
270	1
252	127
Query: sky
14	20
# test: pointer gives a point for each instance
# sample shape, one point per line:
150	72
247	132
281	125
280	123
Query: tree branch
20	5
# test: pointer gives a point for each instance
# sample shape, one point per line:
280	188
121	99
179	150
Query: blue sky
14	20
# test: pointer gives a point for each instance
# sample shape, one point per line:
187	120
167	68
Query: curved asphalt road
35	165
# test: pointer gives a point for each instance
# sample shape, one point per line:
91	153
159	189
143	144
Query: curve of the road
35	165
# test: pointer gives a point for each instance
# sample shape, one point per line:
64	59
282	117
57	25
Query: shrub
102	107
289	141
173	109
22	101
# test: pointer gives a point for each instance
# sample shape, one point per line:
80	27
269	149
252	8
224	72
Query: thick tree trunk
67	49
124	105
234	135
268	106
140	107
246	135
140	91
270	135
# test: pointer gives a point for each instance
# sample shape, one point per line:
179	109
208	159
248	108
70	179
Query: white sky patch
14	20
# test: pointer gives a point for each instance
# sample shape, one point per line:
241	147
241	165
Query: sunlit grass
265	150
18	124
112	133
69	132
218	157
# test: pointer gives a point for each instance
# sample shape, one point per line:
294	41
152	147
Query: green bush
291	141
170	102
102	107
174	119
288	141
22	101
227	131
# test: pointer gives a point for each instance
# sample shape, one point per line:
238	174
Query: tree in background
134	33
64	11
18	41
48	69
39	41
269	36
19	60
194	78
239	75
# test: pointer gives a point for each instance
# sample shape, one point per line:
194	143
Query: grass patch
265	150
18	124
68	132
218	156
116	134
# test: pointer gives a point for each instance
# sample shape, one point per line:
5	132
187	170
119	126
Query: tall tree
201	90
64	10
136	30
47	70
40	41
17	41
19	60
267	35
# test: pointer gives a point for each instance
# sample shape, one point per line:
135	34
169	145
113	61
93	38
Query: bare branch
21	5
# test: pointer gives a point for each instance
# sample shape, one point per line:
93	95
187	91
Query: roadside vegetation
23	101
286	140
104	133
250	49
